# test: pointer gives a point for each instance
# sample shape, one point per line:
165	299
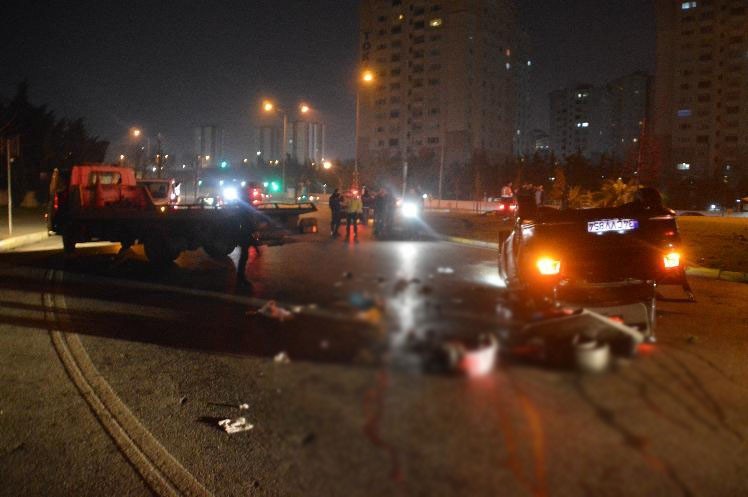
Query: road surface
169	353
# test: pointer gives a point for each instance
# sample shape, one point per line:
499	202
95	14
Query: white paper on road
237	425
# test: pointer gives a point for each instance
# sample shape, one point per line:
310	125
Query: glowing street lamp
367	79
304	109
327	165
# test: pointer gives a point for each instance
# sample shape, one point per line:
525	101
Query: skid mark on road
638	443
159	469
700	393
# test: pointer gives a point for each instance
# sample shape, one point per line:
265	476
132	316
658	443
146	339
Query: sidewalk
29	226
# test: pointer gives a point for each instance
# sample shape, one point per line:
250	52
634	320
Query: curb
18	241
699	272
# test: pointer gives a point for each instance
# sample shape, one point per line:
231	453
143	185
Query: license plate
607	225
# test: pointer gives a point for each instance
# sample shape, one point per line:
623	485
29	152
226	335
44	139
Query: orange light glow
671	260
547	266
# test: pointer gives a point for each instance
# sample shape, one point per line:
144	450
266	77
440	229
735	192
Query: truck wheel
218	249
160	251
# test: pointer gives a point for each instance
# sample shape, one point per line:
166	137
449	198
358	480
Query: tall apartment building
580	121
445	74
595	120
701	88
630	98
306	141
208	145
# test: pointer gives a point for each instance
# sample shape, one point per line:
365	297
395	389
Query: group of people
527	190
356	206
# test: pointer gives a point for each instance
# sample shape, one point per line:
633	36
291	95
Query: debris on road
243	407
281	358
348	275
692	339
182	400
372	316
579	338
590	354
273	311
237	425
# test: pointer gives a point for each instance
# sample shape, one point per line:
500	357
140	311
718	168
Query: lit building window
684	113
688	5
435	22
683	166
508	66
584	124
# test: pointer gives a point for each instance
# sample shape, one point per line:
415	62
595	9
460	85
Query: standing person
379	206
539	196
336	206
506	191
354	209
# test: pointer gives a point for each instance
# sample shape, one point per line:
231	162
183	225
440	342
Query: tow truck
104	202
609	259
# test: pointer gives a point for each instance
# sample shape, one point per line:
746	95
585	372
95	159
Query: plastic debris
372	316
445	270
590	354
243	407
237	425
348	275
182	401
361	301
281	358
273	311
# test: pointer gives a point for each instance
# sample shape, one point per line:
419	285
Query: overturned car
608	260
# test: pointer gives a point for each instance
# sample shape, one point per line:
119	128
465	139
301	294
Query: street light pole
355	159
284	152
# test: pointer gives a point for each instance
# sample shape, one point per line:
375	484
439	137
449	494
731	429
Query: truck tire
160	251
218	249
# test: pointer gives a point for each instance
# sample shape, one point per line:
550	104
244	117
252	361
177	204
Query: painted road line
158	468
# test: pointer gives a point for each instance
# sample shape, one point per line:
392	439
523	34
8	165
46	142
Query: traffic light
224	164
274	186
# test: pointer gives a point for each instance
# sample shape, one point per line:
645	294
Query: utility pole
9	161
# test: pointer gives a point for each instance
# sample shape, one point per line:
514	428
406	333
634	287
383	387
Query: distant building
208	145
446	80
701	97
269	141
306	141
580	121
630	104
541	141
600	120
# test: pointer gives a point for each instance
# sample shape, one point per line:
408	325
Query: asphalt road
355	412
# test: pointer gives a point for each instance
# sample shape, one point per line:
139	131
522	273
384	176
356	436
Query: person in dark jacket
336	206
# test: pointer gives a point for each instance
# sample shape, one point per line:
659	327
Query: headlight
230	194
548	266
410	210
671	260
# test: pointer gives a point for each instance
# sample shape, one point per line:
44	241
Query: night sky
169	66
